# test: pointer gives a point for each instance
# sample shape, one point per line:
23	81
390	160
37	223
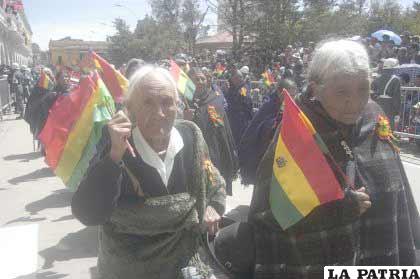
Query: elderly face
154	107
344	98
200	82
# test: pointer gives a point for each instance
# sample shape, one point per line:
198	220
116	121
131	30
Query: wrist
115	156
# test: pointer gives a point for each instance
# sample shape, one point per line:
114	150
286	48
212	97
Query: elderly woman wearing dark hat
152	204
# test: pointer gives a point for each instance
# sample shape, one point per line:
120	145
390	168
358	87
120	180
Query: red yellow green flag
302	177
70	155
45	82
116	83
268	78
184	84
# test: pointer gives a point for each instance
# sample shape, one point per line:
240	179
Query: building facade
69	52
15	36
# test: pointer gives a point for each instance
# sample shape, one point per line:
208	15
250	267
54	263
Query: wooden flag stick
130	148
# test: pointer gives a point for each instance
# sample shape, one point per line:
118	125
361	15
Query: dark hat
230	252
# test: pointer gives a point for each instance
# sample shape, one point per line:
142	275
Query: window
60	60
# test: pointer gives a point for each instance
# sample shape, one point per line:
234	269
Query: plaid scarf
334	234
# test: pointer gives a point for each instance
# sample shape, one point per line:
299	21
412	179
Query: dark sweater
107	183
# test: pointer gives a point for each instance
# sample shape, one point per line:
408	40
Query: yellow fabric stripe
77	139
182	82
294	182
122	81
307	122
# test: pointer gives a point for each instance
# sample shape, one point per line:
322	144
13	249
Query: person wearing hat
387	90
239	105
209	114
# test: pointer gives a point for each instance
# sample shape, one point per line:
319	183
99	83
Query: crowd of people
161	207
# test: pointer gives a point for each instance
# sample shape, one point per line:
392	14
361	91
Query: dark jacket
258	136
217	134
148	230
333	233
392	105
239	110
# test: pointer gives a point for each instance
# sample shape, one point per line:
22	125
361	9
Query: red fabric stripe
175	71
307	154
63	114
109	77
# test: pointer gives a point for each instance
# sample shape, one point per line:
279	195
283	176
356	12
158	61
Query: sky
87	19
79	19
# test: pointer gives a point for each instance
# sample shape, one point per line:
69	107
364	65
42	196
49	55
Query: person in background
260	131
15	84
403	57
62	82
386	48
132	66
210	116
153	204
239	105
387	88
405	79
27	81
377	222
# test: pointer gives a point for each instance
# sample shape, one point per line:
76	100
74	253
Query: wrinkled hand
212	219
363	200
189	114
119	129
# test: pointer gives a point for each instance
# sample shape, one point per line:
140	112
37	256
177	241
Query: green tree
119	43
192	19
166	11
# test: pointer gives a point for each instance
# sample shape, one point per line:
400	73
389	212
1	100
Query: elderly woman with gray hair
153	203
376	224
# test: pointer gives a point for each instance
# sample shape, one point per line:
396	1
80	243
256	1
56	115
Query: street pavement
36	215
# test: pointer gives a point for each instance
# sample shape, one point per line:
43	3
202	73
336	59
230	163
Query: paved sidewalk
31	194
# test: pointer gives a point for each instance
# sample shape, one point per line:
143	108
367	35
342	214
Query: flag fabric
62	117
185	85
45	82
302	177
220	69
116	83
268	78
70	154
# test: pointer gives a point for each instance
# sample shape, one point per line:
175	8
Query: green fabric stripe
285	213
321	144
101	117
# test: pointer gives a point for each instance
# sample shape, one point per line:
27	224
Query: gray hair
138	79
338	57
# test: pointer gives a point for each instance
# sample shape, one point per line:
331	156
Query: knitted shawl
333	234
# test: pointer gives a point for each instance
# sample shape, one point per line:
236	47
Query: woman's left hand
212	219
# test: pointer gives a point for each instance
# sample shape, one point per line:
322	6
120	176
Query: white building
15	36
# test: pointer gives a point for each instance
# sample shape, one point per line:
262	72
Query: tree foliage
258	27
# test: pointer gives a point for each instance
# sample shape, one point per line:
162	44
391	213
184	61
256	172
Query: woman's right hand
119	128
362	199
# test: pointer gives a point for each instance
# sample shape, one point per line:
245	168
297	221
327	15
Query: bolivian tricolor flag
184	84
116	83
268	78
74	127
45	82
302	178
